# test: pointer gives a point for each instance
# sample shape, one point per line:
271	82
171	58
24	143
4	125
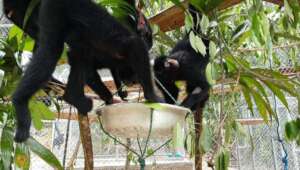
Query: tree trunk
85	135
198	130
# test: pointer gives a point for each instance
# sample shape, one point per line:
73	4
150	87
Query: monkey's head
165	67
138	23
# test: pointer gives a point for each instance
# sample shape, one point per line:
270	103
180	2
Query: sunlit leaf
246	93
39	111
212	50
222	160
7	147
277	91
204	24
44	153
197	43
22	156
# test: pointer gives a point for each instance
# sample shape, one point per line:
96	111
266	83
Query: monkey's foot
22	134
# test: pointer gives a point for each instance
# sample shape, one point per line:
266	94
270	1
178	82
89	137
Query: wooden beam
173	17
250	121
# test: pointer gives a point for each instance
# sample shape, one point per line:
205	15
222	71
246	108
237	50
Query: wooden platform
173	17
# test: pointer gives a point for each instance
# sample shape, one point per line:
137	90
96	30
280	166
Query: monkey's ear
171	64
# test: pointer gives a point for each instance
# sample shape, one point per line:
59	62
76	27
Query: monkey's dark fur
184	63
87	29
131	20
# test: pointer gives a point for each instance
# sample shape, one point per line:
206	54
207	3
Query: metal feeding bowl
132	120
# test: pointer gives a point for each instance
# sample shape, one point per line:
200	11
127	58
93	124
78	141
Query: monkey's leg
94	81
42	65
172	90
139	60
74	92
197	96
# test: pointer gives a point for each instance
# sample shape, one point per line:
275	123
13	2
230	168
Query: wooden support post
86	139
198	116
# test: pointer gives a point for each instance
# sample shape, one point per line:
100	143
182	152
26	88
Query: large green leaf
7	147
262	105
39	111
204	24
241	30
253	83
197	43
18	33
32	5
222	160
277	91
22	156
43	153
292	130
246	93
206	138
212	50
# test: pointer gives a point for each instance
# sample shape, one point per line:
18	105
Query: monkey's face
165	68
144	31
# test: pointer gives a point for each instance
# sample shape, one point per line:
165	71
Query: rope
165	90
284	158
67	138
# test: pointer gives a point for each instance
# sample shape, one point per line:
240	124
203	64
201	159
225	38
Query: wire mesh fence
262	148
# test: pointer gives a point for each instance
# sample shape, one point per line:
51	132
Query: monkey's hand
116	100
123	94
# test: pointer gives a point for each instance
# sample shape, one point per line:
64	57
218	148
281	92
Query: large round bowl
132	120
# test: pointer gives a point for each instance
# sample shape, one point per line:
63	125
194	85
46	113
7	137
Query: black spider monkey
88	29
134	20
184	63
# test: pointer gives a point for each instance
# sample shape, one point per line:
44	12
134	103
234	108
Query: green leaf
204	24
32	5
22	156
44	153
156	106
240	30
206	138
178	136
212	50
246	93
222	160
16	34
252	82
197	43
261	105
189	23
150	152
39	111
7	147
291	130
209	74
277	91
288	10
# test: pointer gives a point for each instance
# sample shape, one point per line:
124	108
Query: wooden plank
173	17
250	121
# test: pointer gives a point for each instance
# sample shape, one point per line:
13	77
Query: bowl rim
165	106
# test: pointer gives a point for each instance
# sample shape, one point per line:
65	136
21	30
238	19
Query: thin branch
85	135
